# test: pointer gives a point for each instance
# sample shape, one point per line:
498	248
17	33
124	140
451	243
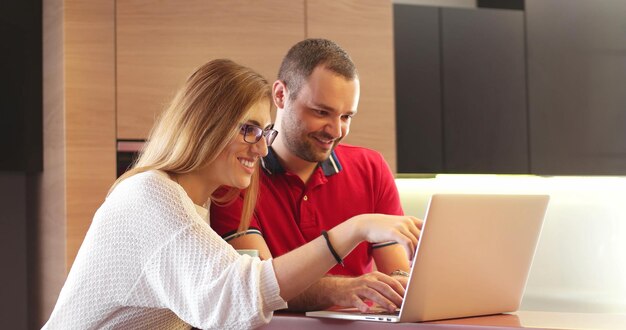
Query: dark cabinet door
21	92
577	86
460	90
484	91
418	89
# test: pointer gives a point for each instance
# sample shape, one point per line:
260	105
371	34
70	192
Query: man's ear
279	93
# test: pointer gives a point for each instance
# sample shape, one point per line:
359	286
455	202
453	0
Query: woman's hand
378	228
311	261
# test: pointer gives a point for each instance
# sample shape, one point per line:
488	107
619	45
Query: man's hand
376	287
404	280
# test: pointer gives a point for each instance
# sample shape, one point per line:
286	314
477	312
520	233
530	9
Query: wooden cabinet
577	86
122	70
79	135
111	67
460	89
365	30
159	44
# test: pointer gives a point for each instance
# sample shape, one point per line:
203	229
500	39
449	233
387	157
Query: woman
150	259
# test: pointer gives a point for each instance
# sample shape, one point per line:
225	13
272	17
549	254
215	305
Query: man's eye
320	112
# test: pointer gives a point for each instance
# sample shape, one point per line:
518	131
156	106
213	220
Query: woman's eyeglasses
253	133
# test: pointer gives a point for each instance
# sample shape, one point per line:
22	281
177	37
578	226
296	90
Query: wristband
332	250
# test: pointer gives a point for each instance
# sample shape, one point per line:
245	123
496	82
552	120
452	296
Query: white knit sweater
150	261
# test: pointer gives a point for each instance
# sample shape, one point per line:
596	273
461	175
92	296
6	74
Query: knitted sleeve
207	284
150	261
197	275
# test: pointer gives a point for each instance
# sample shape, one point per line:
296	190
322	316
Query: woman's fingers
416	229
405	230
411	230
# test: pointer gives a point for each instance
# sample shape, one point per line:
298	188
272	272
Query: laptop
473	258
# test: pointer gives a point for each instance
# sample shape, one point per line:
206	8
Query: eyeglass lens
253	133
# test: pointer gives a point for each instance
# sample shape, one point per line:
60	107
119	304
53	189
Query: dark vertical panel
418	89
21	156
484	107
13	251
33	273
21	86
577	86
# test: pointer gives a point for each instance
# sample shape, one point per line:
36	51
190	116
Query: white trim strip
239	234
332	161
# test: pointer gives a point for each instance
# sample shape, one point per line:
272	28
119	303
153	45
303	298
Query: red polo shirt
289	213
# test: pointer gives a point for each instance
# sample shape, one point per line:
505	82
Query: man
310	183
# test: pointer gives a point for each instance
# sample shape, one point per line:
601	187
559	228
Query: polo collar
271	165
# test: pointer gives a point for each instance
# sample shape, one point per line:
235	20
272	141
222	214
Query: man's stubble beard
300	145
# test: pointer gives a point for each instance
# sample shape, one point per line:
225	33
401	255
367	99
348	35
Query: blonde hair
201	120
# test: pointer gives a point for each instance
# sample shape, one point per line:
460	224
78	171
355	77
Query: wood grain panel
51	229
160	43
89	50
365	30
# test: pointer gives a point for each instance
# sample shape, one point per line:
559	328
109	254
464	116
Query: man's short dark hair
306	55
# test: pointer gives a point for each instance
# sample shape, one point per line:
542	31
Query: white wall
580	262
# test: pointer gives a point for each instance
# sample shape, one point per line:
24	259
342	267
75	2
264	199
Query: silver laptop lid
474	255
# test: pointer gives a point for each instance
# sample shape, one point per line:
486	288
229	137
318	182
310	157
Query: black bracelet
332	250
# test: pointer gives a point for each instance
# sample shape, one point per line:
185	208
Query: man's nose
334	127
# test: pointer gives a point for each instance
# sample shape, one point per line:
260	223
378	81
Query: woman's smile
248	163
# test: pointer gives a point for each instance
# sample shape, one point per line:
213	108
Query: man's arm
252	242
391	258
334	290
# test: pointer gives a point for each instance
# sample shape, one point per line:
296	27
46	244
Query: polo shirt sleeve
388	198
225	219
